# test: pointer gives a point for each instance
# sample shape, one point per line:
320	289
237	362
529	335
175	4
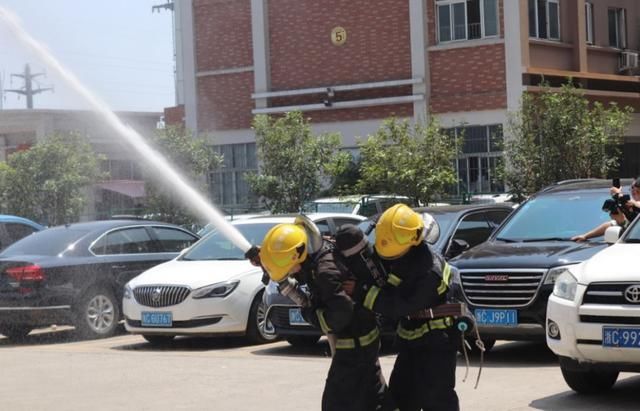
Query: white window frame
547	22
588	13
450	4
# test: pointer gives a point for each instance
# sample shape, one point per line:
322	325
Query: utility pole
166	6
28	89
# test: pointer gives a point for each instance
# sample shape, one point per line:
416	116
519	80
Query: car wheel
158	339
303	340
16	332
97	314
589	381
259	329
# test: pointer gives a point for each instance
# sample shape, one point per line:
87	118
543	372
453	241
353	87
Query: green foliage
193	158
45	183
294	162
559	135
411	160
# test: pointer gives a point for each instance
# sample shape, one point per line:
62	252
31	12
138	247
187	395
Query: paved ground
51	371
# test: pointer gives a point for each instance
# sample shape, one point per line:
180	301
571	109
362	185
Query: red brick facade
174	116
301	55
223	43
468	79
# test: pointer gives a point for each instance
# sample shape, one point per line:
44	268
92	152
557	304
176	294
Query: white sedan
210	289
593	315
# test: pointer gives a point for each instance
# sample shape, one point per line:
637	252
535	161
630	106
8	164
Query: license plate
156	319
507	318
623	337
295	317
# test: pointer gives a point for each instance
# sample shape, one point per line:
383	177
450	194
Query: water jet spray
191	198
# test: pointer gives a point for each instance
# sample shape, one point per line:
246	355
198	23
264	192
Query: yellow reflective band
394	280
323	323
437	324
370	298
349	343
446	278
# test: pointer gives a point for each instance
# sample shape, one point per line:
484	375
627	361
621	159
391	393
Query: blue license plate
156	319
295	317
623	337
507	318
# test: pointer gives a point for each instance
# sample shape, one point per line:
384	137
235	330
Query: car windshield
633	236
49	242
216	246
559	216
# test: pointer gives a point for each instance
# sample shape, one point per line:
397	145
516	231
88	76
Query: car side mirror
612	234
457	247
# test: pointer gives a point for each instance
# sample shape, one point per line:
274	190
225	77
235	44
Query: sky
118	49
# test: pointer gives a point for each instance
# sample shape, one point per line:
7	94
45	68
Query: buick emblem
496	277
632	293
155	295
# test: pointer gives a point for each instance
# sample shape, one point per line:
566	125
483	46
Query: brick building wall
468	79
223	43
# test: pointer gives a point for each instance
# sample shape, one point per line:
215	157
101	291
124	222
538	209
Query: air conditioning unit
628	60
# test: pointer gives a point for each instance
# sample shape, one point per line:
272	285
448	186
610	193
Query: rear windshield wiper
632	240
534	240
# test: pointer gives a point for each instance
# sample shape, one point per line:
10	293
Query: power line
28	89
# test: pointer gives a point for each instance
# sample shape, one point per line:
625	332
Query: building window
122	169
477	165
618	28
588	15
228	184
544	19
467	19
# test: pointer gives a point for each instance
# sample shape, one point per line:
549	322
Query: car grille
501	288
608	293
160	295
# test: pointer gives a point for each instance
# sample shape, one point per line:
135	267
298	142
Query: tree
560	135
46	182
411	160
294	163
193	158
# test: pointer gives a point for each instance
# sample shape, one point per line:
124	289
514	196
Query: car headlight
555	272
128	292
216	290
565	286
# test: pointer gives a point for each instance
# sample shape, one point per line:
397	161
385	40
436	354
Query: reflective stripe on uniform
323	323
394	280
370	298
348	343
446	278
437	324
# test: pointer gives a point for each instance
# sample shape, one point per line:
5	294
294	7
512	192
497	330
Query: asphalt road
52	371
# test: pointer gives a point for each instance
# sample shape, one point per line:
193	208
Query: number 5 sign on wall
338	36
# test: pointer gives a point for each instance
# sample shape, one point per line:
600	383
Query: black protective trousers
355	381
424	375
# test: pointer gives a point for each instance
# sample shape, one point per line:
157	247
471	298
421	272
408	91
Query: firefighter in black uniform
423	376
354	381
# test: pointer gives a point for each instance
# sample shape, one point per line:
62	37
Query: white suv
593	315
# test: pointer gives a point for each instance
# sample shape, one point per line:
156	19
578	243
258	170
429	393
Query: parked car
366	205
452	230
74	274
507	280
593	315
210	289
14	228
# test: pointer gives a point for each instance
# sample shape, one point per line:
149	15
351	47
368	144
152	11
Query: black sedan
451	231
74	274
